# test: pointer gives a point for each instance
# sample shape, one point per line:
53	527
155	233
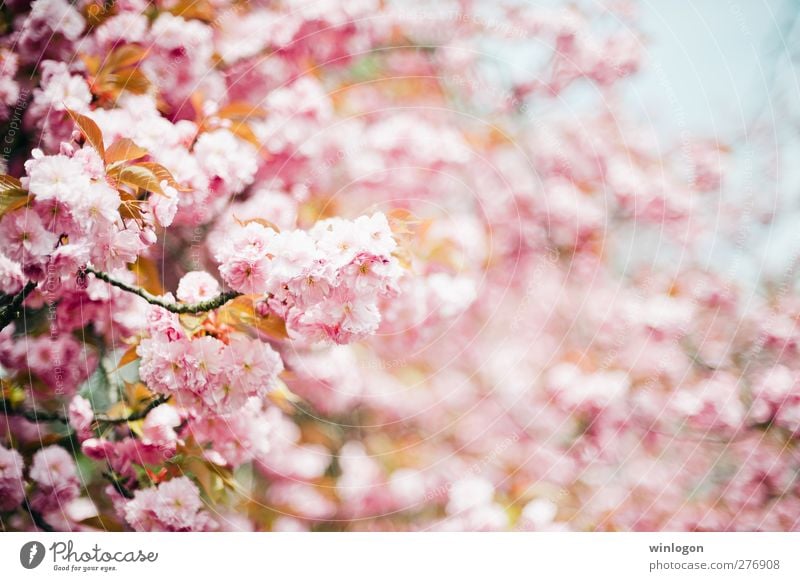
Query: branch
187	308
135	416
10	310
118	485
43	416
33	415
38	519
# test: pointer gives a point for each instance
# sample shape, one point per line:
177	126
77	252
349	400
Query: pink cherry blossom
172	506
56	478
11	490
344	265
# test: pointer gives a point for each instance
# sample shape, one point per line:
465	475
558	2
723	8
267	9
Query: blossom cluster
305	265
325	283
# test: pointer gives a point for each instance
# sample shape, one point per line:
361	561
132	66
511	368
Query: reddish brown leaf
124	149
163	174
90	131
138	176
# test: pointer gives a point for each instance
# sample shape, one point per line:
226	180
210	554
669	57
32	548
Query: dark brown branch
179	308
43	416
118	485
38	519
10	310
135	416
36	416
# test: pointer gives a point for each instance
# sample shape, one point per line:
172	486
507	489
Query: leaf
12	196
192	322
194	9
126	55
9	183
137	395
241	314
134	81
196	100
147	275
262	221
103	523
241	110
124	149
118	411
163	175
138	176
213	479
242	131
283	397
90	131
92	63
128	357
129	208
12	393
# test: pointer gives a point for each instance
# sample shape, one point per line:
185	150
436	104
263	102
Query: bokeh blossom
307	265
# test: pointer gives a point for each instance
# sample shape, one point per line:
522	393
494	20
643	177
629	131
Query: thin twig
38	519
43	416
118	485
9	312
186	308
36	416
135	416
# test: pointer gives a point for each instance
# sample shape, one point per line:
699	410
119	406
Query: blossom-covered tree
303	265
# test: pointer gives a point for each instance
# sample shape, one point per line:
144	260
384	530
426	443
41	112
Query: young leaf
12	196
241	314
163	174
242	131
240	110
128	357
138	176
147	275
90	131
262	221
124	149
132	80
126	55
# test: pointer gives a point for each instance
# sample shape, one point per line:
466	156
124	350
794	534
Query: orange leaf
163	174
241	110
137	395
243	131
92	63
129	208
283	397
90	131
124	149
194	9
138	176
103	523
12	196
128	357
241	314
262	221
125	56
118	411
8	182
132	80
147	275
